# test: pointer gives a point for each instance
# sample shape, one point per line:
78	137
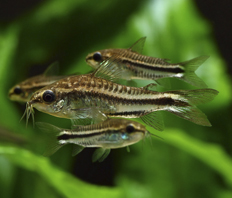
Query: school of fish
93	101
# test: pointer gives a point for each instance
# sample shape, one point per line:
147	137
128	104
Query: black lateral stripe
165	69
127	113
171	102
72	136
125	101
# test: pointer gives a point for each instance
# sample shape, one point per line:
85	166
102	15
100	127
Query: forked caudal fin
188	110
190	67
183	104
53	143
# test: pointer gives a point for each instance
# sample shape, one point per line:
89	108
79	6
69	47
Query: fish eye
17	90
48	96
97	56
130	128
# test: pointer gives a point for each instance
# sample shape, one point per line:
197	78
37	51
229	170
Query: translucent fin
138	45
100	154
192	114
151	134
128	149
190	68
193	97
88	116
97	115
154	120
151	86
112	70
80	122
52	70
52	142
164	82
48	128
77	149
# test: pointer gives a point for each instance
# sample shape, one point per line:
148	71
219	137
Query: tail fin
53	144
190	68
188	110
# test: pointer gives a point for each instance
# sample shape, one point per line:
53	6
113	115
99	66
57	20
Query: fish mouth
29	111
88	58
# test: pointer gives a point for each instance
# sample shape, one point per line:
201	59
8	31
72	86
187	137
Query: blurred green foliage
190	161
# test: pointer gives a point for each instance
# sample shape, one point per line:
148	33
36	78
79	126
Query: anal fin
154	119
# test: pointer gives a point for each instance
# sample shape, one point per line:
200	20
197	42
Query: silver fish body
145	67
109	134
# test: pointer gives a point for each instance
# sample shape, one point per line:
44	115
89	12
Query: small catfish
22	92
140	66
87	96
106	135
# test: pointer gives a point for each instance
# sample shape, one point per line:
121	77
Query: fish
90	95
143	67
22	91
106	135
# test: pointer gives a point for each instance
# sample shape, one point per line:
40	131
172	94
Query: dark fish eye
48	96
18	90
97	56
130	128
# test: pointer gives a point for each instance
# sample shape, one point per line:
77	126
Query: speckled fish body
145	67
75	97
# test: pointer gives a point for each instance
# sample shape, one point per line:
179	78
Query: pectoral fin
100	154
88	116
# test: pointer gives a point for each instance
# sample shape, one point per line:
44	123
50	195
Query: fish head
23	91
48	100
95	58
18	93
128	132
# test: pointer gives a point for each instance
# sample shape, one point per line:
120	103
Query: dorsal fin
138	45
52	70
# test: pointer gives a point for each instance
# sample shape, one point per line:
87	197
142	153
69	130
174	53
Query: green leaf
65	183
211	154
